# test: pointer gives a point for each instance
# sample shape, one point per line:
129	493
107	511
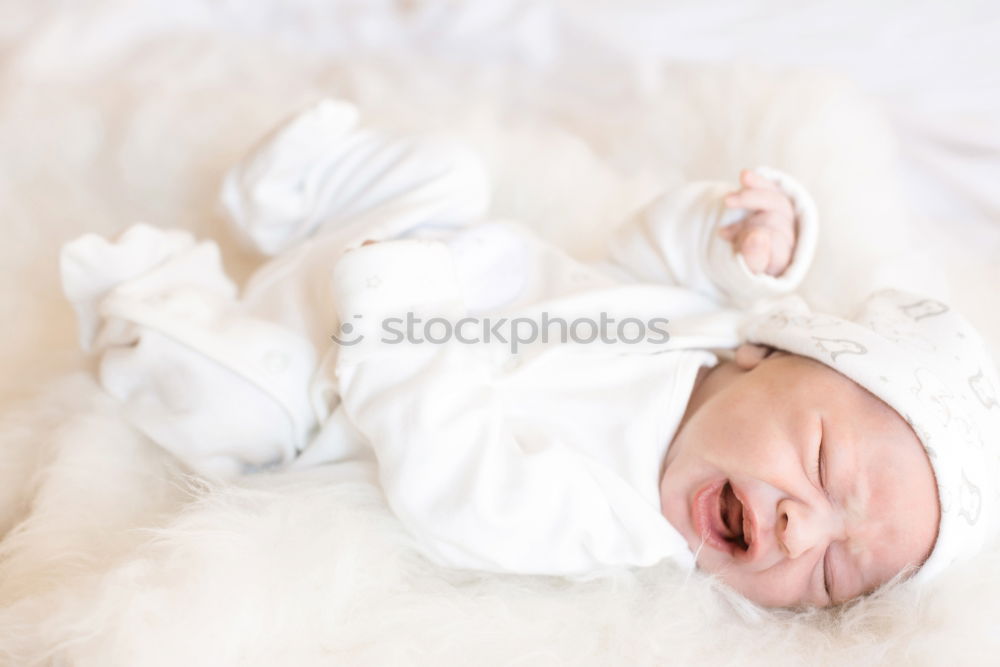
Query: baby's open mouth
731	513
721	519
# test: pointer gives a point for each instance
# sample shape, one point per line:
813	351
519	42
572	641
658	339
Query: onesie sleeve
451	467
675	240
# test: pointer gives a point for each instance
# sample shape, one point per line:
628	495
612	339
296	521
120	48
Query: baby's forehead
799	372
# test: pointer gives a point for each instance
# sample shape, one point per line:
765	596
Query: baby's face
796	486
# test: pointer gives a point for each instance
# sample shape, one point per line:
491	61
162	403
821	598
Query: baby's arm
732	245
451	468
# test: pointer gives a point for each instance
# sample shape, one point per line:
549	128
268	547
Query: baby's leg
223	390
320	173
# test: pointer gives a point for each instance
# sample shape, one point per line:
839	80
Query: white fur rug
114	112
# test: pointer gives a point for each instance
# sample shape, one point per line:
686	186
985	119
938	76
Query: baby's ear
749	355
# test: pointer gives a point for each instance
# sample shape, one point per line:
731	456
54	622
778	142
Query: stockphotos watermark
514	331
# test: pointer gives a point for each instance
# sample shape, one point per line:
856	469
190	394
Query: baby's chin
719	565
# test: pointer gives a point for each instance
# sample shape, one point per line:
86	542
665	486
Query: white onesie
526	456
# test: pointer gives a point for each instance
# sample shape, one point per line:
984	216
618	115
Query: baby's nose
801	527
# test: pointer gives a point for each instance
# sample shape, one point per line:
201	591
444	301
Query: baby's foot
322	173
142	258
272	195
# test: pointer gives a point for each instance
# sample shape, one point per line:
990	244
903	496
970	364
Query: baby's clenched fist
766	235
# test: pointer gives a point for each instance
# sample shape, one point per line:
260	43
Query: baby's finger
782	225
749	355
758	200
781	255
781	240
755	246
729	231
751	179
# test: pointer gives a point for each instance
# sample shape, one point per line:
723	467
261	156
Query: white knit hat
927	363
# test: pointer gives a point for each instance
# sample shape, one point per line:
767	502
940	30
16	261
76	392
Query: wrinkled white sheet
114	111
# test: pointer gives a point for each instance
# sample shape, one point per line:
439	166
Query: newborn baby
532	413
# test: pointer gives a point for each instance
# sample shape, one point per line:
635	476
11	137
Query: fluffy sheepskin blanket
113	555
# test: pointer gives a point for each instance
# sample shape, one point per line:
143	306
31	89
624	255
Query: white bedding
119	111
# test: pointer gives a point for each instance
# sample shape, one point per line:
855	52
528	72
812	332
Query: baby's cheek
758	455
856	506
775	587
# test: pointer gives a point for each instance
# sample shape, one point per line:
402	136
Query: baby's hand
766	236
